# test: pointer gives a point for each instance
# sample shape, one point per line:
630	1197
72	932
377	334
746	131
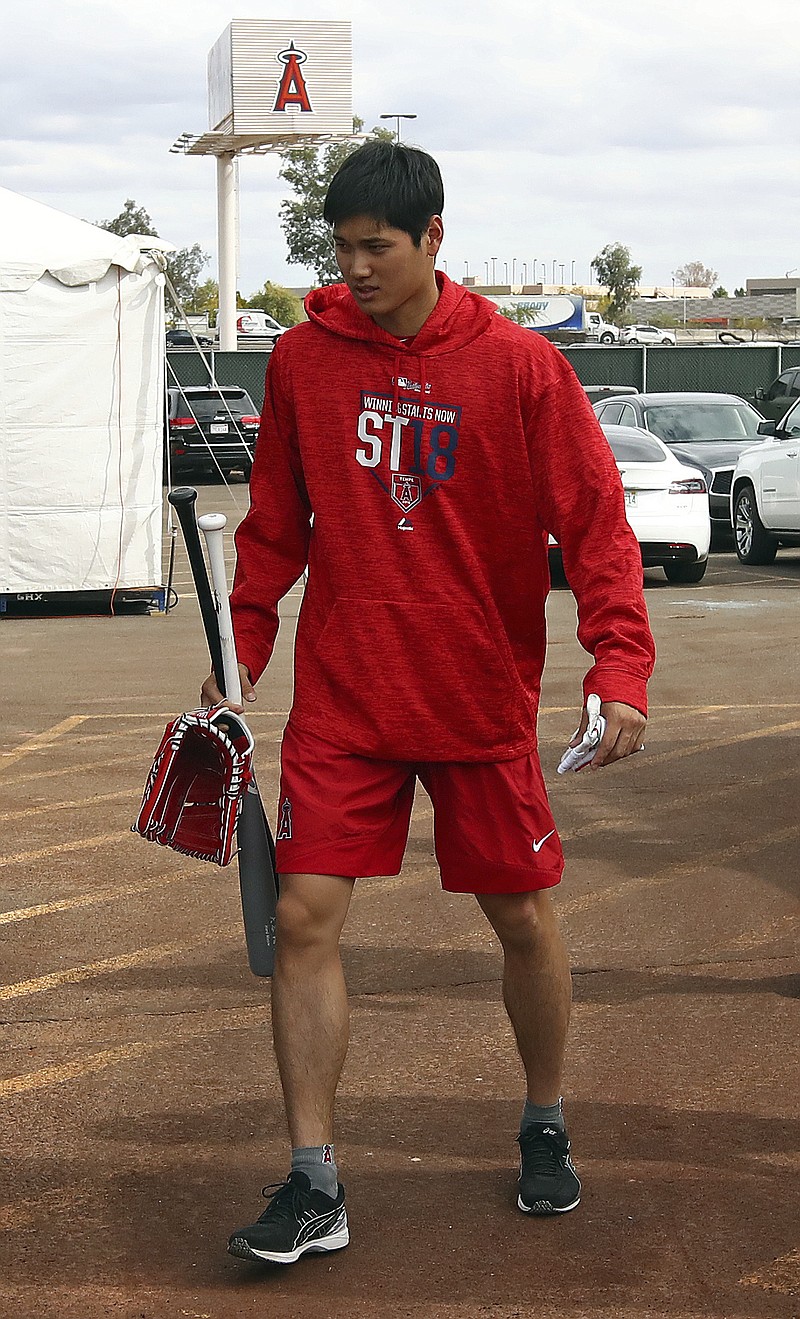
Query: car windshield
680	422
208	405
635	449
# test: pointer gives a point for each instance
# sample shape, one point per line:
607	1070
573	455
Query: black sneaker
548	1183
297	1219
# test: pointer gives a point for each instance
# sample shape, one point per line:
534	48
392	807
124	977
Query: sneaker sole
541	1208
239	1247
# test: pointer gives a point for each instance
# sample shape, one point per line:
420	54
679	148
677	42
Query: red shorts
343	814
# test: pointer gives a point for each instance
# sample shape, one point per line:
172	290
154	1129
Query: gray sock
319	1164
550	1114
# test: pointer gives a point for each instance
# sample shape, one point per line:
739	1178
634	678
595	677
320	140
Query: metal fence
246	369
719	369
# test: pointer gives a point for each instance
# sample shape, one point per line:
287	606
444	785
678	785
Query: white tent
81	408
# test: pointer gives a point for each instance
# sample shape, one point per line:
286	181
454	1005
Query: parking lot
141	1101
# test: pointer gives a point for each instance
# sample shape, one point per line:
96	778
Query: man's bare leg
537	986
310	1029
310	1017
537	991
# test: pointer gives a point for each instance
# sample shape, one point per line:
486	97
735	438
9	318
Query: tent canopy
36	239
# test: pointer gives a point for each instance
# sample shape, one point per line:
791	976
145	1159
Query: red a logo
292	90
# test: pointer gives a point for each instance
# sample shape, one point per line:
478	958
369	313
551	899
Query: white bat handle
212	526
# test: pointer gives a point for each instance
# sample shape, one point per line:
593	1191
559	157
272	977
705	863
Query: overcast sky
560	125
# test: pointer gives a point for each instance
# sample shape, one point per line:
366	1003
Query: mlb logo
406	490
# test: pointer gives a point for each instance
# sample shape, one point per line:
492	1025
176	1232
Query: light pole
505	272
555	263
533	277
572	275
561	268
397	118
494	265
466	269
524	272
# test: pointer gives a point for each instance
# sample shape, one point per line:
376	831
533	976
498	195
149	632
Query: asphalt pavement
141	1102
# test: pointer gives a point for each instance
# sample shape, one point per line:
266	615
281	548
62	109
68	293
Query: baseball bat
258	880
256	856
183	499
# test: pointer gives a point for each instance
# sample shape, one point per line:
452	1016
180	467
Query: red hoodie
418	480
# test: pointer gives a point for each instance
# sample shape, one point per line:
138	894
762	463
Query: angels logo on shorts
408	445
285	826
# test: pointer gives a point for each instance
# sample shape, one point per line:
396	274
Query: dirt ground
141	1106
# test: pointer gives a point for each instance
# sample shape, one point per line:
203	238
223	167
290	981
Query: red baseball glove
195	788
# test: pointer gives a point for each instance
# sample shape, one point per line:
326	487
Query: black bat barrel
183	499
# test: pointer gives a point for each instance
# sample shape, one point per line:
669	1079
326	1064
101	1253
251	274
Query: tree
518	313
751	323
207	299
720	292
740	293
616	273
132	219
278	302
308	171
183	266
694	275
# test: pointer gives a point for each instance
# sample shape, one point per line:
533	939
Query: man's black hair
394	184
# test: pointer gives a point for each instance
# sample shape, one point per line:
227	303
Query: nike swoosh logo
538	843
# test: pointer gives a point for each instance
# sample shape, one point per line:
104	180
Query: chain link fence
245	369
720	370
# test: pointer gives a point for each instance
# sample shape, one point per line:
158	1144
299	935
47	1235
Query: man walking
415	451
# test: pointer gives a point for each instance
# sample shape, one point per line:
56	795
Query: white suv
648	334
765	491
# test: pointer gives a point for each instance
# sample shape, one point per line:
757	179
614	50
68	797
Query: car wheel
686	572
606	338
668	342
754	544
633	340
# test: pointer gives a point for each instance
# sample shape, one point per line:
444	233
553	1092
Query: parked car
765	495
666	503
648	334
258	325
211	428
773	401
709	431
184	339
597	392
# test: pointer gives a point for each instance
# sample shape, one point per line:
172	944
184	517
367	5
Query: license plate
630	498
218	429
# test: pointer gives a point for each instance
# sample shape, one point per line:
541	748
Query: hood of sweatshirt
458	318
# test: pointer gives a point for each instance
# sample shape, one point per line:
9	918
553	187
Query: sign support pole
227	241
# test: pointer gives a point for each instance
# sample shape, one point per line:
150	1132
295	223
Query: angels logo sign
292	92
409	445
